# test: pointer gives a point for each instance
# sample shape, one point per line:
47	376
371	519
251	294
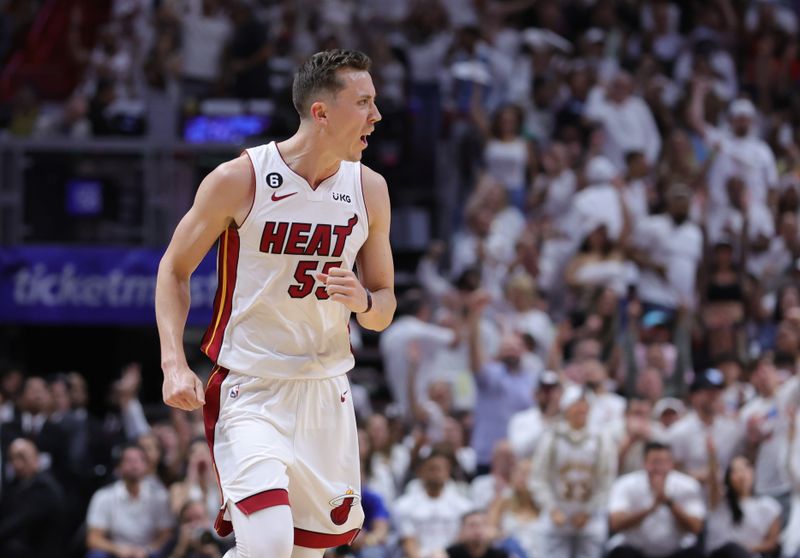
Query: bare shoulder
376	196
236	174
229	188
373	180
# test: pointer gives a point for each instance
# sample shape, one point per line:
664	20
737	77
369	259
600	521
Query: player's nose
376	115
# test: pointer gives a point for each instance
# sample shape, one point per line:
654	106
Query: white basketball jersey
272	318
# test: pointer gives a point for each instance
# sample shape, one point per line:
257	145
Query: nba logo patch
234	393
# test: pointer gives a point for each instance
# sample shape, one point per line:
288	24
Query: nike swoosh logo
276	197
343	396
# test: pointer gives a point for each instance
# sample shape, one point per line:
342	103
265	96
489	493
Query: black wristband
369	301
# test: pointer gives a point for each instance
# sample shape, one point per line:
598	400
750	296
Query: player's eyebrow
367	96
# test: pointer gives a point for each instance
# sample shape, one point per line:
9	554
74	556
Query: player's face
353	114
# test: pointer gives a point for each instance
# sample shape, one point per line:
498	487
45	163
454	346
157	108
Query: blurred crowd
601	360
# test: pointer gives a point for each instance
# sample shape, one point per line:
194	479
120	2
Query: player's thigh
252	442
325	478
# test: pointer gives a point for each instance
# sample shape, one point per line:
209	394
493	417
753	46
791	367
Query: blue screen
224	129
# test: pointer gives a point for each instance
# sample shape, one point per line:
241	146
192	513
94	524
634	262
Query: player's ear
319	112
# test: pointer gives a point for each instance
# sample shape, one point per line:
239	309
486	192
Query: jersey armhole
363	196
254	183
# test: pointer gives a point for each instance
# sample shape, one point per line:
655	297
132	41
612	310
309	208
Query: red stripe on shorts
263	500
312	539
210	417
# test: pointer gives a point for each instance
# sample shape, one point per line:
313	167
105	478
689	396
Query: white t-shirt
524	431
538	325
597	204
771	472
659	534
204	39
760	222
426	59
758	515
394	343
389	472
560	190
130	520
687	438
507	162
607	414
749	158
482	491
433	522
628	126
677	247
635	196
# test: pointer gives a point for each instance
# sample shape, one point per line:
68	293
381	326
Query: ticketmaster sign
114	286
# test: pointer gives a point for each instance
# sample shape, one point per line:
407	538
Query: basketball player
292	219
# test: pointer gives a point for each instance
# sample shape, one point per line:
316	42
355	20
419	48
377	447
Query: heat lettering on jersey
306	239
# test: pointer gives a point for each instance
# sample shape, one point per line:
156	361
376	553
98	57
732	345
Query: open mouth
364	140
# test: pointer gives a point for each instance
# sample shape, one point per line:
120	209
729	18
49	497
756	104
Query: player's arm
224	197
375	265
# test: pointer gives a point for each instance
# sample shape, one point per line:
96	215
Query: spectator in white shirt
637	189
599	203
729	222
607	411
737	392
705	418
484	488
428	520
766	422
668	411
508	156
741	524
626	119
206	30
553	189
526	427
656	512
412	326
128	518
669	250
741	153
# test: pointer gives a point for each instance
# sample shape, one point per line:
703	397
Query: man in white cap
741	152
573	468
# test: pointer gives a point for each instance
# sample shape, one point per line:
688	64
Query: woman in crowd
515	515
740	524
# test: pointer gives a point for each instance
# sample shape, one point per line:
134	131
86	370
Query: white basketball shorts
287	442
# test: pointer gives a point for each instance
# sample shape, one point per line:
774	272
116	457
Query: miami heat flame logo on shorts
341	506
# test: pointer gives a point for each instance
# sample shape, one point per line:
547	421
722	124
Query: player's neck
306	154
